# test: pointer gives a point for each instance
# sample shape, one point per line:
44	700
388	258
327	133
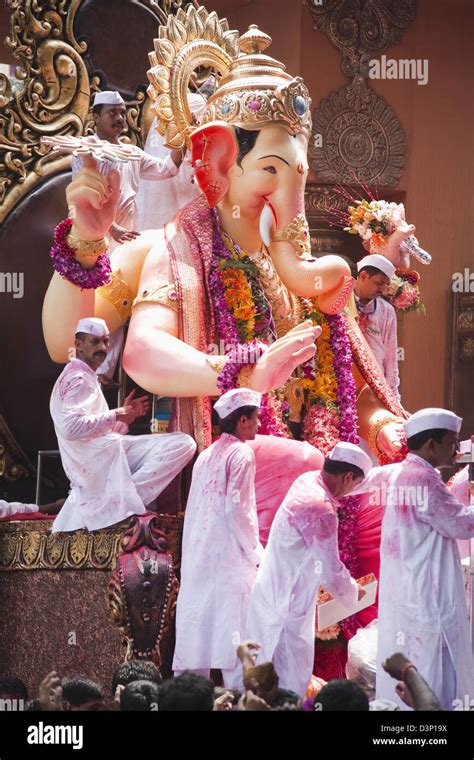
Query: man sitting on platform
113	475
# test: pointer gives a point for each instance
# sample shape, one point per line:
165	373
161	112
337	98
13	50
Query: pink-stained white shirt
302	554
422	603
10	508
459	487
131	172
378	322
92	453
220	554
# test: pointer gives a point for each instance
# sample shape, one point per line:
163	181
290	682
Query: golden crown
253	89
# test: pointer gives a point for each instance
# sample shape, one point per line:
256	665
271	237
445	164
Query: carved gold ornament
253	89
88	248
118	294
296	233
30	545
53	99
163	294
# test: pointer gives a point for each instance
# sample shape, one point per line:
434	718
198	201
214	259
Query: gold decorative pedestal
54	600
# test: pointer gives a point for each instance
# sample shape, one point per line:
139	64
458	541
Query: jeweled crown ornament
253	91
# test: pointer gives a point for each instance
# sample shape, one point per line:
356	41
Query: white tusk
266	223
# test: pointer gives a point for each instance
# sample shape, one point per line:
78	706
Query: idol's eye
270	169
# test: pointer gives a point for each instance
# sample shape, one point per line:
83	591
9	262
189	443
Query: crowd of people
137	686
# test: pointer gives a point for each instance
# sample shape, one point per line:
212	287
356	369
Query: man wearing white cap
109	115
112	475
302	554
377	317
422	604
221	548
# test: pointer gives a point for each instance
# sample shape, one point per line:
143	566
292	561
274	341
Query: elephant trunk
328	278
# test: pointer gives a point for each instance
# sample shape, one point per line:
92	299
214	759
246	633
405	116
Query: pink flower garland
65	264
239	355
346	400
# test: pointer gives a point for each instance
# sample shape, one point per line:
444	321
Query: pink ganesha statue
228	293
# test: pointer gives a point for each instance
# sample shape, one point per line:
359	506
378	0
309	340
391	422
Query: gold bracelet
118	294
375	430
88	248
296	233
243	380
217	363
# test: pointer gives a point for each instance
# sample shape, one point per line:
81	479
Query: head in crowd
238	412
82	694
140	696
243	423
344	468
12	688
110	115
433	434
188	693
374	275
287	699
342	695
92	341
136	670
263	681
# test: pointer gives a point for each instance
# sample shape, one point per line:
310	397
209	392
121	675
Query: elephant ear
214	150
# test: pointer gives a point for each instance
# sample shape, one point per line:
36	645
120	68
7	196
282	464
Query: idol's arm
64	303
158	360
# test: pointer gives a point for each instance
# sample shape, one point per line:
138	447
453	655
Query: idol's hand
393	252
391	438
92	200
278	362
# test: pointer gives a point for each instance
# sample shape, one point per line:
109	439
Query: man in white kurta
302	554
110	119
221	548
112	475
377	318
422	603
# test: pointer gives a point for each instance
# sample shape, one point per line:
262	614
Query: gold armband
217	363
118	294
296	233
375	430
243	380
163	294
88	248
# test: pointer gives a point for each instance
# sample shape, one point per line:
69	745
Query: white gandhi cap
108	98
236	398
349	453
92	326
379	262
428	419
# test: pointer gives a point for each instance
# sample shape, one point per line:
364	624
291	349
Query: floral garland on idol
64	262
244	323
243	319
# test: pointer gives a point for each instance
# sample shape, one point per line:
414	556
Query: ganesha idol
234	269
